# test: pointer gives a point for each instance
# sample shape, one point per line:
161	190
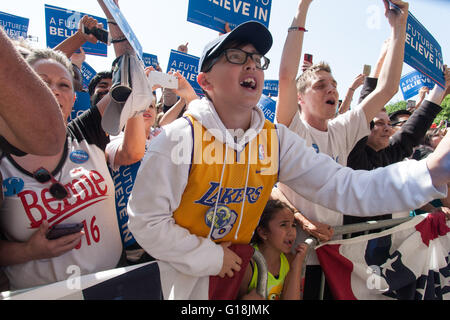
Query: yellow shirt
274	284
259	160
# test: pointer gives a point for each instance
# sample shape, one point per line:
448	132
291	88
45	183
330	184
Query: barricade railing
261	263
346	232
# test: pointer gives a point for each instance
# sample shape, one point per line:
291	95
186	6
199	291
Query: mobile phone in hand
308	58
102	35
366	70
410	104
61	230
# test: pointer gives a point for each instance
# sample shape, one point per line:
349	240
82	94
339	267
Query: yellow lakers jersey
232	180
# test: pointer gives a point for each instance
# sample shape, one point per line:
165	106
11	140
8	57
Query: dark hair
272	207
403	112
95	80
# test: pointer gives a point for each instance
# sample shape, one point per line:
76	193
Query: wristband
111	21
351	89
297	29
121	39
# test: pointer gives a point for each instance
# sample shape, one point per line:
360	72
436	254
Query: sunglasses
57	190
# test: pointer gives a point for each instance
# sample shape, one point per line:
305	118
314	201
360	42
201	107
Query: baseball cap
252	32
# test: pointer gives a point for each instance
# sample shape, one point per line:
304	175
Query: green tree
443	115
400	105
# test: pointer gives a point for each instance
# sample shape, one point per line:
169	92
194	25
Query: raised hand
89	23
394	16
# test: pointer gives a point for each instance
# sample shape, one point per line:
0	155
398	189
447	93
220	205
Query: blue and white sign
61	24
214	14
411	83
187	66
423	52
82	103
271	88
268	106
124	26
87	73
14	26
124	179
150	60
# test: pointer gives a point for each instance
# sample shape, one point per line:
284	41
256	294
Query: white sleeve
351	125
157	193
316	177
297	125
111	150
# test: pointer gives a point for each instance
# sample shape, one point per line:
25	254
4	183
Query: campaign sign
124	179
187	66
271	88
14	26
423	52
82	103
268	106
150	60
214	14
124	26
61	24
411	83
87	73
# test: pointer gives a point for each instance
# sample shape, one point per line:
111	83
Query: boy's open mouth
248	83
331	102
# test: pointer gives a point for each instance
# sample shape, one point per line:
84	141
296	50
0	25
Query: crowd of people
213	171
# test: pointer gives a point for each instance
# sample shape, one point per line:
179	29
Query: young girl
274	238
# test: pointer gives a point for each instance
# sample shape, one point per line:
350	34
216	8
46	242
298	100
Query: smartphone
165	80
61	230
102	35
394	7
366	70
410	104
308	58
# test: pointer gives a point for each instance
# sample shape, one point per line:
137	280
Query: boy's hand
231	261
185	89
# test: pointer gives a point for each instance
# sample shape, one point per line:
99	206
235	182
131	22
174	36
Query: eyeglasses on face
57	190
238	56
398	123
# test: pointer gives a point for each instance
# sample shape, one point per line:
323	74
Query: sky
347	34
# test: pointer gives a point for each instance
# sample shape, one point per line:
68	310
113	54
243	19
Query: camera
102	35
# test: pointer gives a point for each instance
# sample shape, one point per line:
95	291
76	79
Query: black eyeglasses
57	190
238	56
398	123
